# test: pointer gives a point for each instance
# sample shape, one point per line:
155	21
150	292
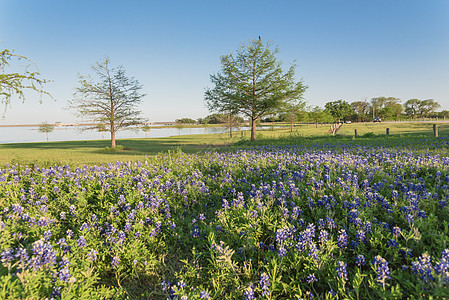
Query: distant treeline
386	108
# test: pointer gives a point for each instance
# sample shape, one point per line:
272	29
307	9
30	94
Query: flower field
271	222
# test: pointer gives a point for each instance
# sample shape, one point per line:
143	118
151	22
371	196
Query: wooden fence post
435	130
388	131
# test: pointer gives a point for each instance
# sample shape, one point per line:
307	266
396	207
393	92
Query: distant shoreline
78	124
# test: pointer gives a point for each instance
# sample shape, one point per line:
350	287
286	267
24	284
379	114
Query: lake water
32	134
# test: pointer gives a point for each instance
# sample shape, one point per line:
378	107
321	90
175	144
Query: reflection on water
32	134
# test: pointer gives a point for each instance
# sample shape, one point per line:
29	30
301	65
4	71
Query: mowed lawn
77	153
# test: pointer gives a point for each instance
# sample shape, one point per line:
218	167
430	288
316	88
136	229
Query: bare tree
111	99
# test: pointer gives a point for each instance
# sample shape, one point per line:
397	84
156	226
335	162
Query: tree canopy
14	81
252	83
46	128
420	108
339	109
111	98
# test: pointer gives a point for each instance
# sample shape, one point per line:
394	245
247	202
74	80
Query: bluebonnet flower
360	260
225	204
409	218
121	237
56	293
341	270
47	235
72	209
64	262
157	229
342	240
393	243
7	256
282	251
330	223
332	293
204	295
423	267
264	284
94	218
195	232
313	251
382	269
43	254
81	242
64	274
396	231
92	255
311	278
115	261
323	237
249	293
128	226
442	267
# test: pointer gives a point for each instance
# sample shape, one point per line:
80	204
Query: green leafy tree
319	115
339	109
111	98
186	121
22	77
412	107
362	110
145	128
427	107
386	107
46	128
443	114
420	108
293	113
252	83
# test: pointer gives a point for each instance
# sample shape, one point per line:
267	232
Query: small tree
319	115
46	128
252	83
13	82
179	126
339	109
111	99
101	128
231	121
145	128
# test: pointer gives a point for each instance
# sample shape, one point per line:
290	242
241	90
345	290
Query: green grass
78	153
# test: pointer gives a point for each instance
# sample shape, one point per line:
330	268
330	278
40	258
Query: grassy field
78	153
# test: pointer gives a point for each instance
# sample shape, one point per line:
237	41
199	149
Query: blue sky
350	50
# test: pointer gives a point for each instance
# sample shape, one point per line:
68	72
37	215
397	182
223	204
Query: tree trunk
47	136
112	139
253	129
230	131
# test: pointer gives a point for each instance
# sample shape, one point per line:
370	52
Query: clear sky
350	50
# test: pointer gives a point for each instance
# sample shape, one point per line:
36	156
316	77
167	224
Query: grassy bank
94	152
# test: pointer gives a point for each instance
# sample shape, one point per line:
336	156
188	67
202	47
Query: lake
32	134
